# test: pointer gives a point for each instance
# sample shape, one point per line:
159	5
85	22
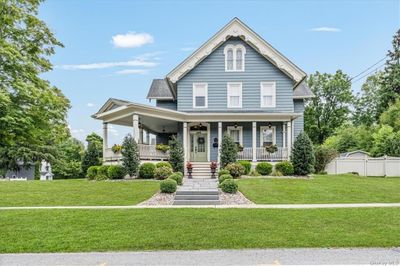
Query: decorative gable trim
236	28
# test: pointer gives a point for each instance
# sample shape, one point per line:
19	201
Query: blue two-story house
235	83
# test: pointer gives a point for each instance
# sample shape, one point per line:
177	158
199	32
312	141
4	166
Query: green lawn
322	189
188	229
75	192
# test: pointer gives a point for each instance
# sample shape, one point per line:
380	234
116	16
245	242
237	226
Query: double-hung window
236	133
234	90
267	136
268	94
200	95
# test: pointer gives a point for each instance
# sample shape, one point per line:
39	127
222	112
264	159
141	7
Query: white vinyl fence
382	166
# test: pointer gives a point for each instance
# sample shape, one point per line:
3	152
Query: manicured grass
188	229
322	189
75	192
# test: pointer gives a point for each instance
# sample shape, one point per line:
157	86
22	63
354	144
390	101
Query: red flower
189	165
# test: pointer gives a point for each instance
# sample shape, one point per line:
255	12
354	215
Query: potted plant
116	148
189	168
240	148
271	149
213	167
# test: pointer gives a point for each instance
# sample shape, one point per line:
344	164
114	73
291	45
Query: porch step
197	192
196	202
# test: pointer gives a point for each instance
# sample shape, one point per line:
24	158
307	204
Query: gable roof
236	28
111	104
160	89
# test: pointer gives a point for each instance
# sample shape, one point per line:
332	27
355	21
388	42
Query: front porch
200	133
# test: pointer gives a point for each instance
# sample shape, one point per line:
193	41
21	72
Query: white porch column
140	135
289	138
185	146
254	141
135	132
284	134
105	139
219	141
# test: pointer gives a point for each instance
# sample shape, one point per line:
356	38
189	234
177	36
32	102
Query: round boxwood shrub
178	177
229	186
286	168
116	172
163	172
223	172
92	172
168	186
235	169
146	170
246	165
102	172
163	164
264	168
222	178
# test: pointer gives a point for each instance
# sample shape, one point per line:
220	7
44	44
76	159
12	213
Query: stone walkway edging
252	206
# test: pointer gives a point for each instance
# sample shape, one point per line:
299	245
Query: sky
115	48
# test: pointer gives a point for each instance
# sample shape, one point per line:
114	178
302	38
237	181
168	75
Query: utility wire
360	78
368	68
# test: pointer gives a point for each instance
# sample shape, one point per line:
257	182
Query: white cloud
132	40
132	71
326	29
135	62
90	104
186	49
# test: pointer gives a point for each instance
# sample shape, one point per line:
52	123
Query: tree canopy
32	111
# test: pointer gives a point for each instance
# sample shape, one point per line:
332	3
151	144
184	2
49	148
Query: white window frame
234	48
262	94
238	128
273	134
195	94
228	94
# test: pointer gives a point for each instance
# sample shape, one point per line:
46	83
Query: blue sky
115	48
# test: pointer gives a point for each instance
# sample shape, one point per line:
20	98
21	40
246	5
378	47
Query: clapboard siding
257	69
298	123
166	104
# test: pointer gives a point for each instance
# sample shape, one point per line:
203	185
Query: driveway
304	256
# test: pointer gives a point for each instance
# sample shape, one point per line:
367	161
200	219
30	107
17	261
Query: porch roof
122	115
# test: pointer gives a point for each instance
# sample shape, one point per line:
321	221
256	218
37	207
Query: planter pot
189	170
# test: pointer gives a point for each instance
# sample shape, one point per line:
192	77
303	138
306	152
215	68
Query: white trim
219	141
236	28
273	134
240	129
234	57
254	141
264	84
195	94
208	137
228	94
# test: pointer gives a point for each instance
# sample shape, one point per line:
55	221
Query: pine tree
91	157
391	75
303	158
130	155
176	155
228	151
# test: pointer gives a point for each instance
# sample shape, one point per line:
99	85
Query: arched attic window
234	57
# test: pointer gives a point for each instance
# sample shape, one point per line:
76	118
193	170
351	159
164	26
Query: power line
368	68
360	78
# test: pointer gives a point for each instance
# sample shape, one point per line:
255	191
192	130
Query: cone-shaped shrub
303	158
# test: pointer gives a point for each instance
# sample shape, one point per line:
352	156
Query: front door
198	146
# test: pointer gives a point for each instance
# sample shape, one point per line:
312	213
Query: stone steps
196	202
201	191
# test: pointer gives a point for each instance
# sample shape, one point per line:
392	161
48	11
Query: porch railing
262	155
146	152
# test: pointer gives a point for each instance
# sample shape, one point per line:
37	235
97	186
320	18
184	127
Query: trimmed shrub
235	169
102	172
222	178
223	172
146	170
162	172
246	165
92	172
264	168
229	186
323	156
229	150
303	158
168	186
285	168
116	172
163	164
178	177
